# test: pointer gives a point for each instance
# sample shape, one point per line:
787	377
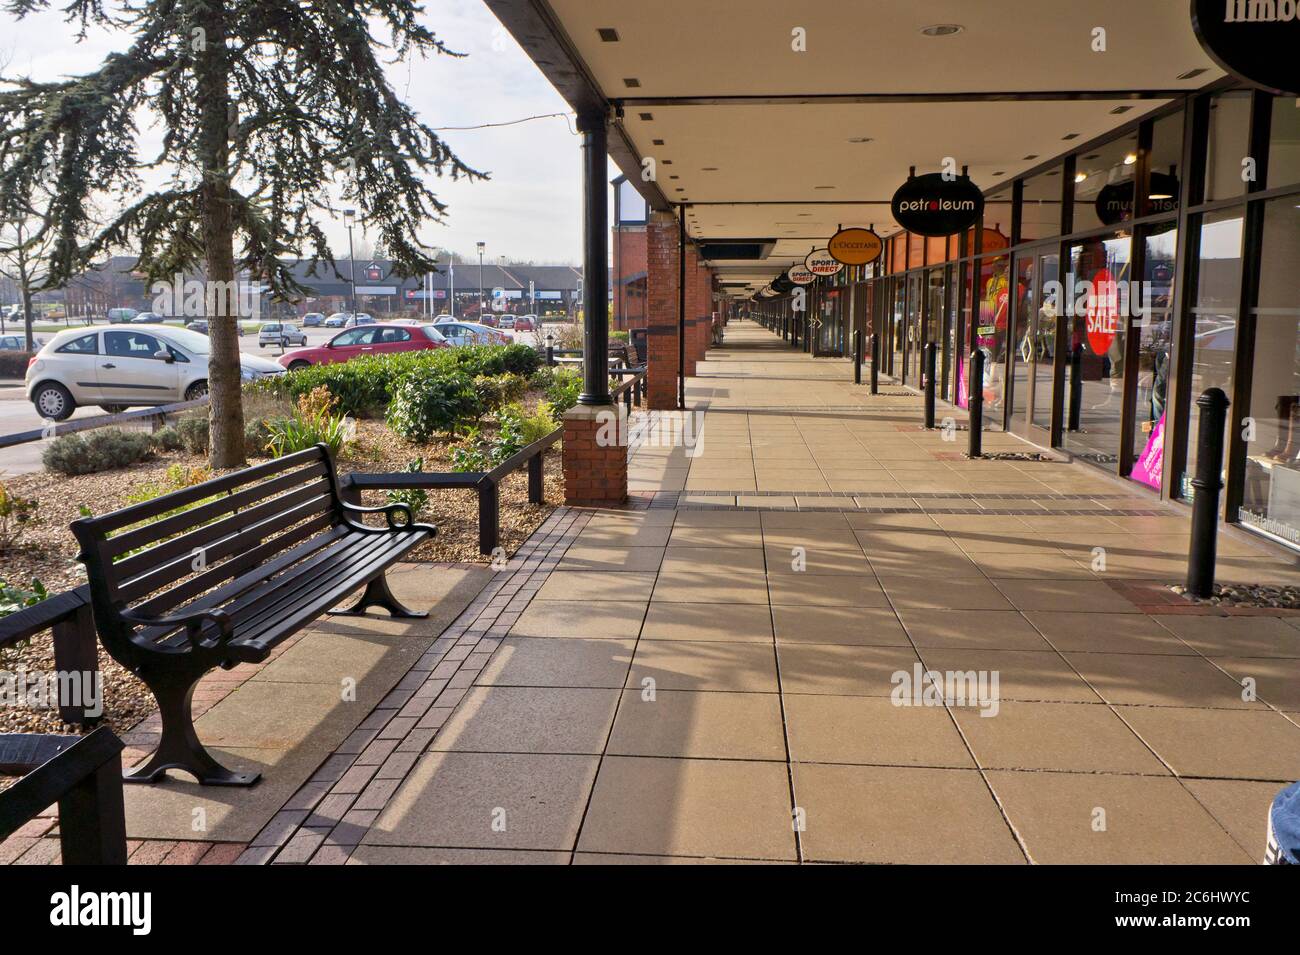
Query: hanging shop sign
855	246
821	262
801	275
1254	40
1115	202
1102	312
932	205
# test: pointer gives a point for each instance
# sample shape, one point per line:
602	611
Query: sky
531	206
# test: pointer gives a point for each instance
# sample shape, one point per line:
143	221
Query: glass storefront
1154	327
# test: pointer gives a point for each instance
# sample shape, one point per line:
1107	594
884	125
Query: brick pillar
703	312
692	308
661	310
595	456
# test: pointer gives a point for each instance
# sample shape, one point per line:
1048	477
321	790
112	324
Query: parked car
147	318
471	333
336	320
313	319
18	342
525	323
116	315
200	325
361	318
506	321
280	333
489	319
116	368
365	340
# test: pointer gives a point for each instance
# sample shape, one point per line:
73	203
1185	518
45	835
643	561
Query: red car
524	323
365	340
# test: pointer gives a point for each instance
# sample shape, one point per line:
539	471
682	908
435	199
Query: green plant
14	599
415	498
101	450
474	453
532	426
496	390
312	423
194	433
562	393
168	439
428	400
177	477
15	514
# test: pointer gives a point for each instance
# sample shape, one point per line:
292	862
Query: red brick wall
595	473
661	294
629	252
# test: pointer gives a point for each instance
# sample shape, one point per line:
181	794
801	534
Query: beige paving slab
815	559
1096	819
739	623
625	534
842	670
1071	737
557	661
804	521
858	626
1239	744
1239	806
688	559
975	629
623	559
714	536
1092	596
696	665
699	724
420	855
871	730
525	719
1031	675
1253	636
691	807
886	814
931	565
583	585
488	801
958	593
833	590
1276	680
1118	633
710	585
715	519
1159	680
590	619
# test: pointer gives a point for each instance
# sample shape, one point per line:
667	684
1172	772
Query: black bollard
975	402
929	385
857	356
1076	388
550	355
1207	483
875	364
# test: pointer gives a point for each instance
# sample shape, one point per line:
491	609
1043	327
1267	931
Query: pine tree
263	104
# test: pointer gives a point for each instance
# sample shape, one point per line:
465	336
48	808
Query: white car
471	333
282	334
117	367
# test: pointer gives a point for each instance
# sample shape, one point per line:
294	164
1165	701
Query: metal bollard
875	364
975	403
1208	483
1076	388
929	385
550	356
857	356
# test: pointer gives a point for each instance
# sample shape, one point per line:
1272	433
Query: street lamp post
349	219
481	246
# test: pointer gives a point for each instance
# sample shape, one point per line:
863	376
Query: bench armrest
192	622
388	510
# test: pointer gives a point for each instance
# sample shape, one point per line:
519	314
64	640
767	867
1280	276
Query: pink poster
1150	465
961	383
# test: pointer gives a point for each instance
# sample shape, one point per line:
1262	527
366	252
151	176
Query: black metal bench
253	557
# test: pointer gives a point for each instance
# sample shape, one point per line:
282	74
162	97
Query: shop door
1033	344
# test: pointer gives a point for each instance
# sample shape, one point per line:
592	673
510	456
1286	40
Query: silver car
280	333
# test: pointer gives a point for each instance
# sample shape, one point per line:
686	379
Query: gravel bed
1269	596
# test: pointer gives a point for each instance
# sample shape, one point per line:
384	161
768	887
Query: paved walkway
728	669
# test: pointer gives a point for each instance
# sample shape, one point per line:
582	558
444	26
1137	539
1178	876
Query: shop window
1166	155
1214	311
1098	337
1040	211
1271	497
1103	184
936	250
997	212
915	250
1154	327
1229	141
991	330
1284	142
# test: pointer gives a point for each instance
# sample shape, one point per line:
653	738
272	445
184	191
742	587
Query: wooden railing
156	416
68	615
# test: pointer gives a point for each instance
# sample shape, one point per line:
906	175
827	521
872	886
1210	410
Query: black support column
595	260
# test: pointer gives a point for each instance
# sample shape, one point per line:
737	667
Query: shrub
428	400
532	427
312	423
101	450
193	433
562	393
496	390
167	439
15	514
415	498
14	599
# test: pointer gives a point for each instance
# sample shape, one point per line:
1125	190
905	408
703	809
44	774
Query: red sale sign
1103	312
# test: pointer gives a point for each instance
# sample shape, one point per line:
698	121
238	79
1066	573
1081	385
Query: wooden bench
250	559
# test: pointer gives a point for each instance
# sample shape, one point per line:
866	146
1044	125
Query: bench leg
378	594
179	747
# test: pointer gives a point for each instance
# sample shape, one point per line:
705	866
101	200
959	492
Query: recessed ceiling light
631	82
860	139
1120	109
823	187
666	162
1032	156
1080	176
1092	156
646	117
1070	136
1130	159
708	169
1191	73
679	189
608	34
674	177
999	174
657	142
942	29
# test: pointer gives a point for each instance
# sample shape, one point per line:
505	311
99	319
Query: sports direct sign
1102	312
821	262
801	275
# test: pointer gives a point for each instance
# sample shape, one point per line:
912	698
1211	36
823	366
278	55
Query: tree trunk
225	412
27	317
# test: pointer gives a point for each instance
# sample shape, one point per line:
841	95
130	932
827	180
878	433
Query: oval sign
1102	312
855	246
821	262
1253	40
931	205
800	275
1115	202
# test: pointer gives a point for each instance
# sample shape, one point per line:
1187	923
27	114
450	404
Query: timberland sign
1254	40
